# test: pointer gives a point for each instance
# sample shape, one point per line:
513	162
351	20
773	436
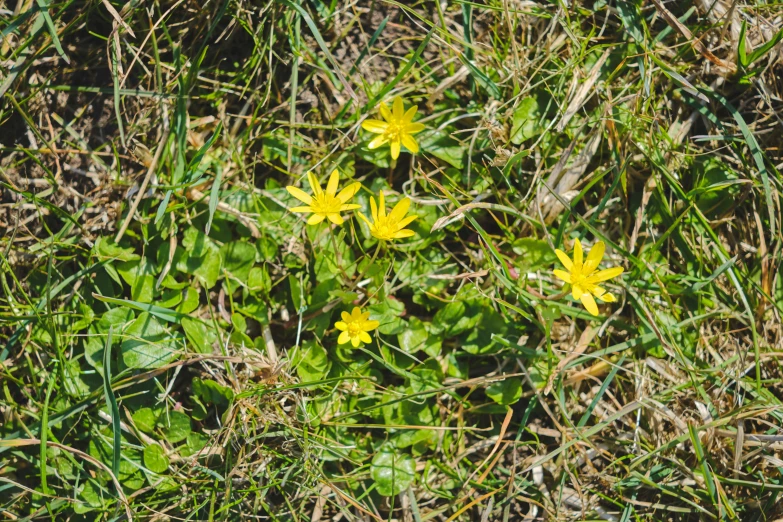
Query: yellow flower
354	327
325	204
398	128
584	276
392	226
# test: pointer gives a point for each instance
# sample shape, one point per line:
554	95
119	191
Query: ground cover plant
300	260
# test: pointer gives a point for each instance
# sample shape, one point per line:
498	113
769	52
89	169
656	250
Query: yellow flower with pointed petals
354	327
325	204
584	276
392	226
398	129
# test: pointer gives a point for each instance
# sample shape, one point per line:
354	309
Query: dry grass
163	143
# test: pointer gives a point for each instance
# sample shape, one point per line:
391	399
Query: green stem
367	267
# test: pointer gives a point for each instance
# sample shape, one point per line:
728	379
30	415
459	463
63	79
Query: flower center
579	280
354	329
386	227
394	132
325	204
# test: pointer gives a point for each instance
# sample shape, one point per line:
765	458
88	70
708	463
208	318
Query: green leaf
206	269
505	392
765	48
238	258
528	120
141	278
210	392
91	496
106	249
311	361
426	376
189	302
200	335
392	472
258	280
176	426
147	344
533	254
414	337
118	318
441	145
194	443
145	419
388	312
742	54
455	318
155	459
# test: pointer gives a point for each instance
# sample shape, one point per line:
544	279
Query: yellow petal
410	114
300	194
385	112
413	128
404	222
356	313
314	183
315	219
381	206
365	316
578	255
365	337
403	234
606	297
348	192
301	209
400	209
410	143
577	291
563	257
563	275
340	325
603	275
351	206
378	141
589	303
374	207
370	325
355	341
335	218
594	257
334	179
395	149
344	338
346	317
376	126
364	218
398	109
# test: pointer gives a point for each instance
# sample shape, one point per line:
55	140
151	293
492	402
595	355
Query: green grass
167	339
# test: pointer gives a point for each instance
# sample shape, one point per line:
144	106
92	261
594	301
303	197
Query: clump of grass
169	348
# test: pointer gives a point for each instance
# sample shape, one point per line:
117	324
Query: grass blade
324	47
369	45
400	75
111	402
44	9
116	59
755	151
158	311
